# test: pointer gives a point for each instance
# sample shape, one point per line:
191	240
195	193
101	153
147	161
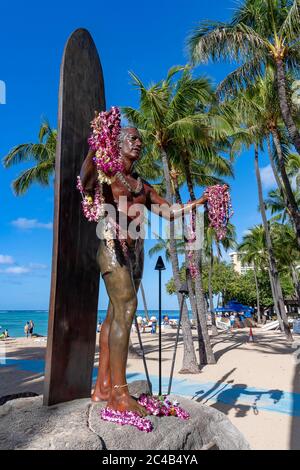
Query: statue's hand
202	200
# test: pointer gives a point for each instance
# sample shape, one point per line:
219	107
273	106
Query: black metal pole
159	267
176	343
159	337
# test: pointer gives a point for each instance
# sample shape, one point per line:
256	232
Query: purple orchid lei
219	212
219	209
156	406
106	127
194	271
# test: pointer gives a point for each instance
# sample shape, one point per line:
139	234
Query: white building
237	264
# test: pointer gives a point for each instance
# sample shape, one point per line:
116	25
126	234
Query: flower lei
219	209
194	271
106	127
156	406
219	212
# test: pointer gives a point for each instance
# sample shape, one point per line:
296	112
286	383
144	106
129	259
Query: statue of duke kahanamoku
109	166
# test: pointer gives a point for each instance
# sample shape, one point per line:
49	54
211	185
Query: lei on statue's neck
104	141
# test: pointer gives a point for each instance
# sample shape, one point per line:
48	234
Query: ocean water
15	320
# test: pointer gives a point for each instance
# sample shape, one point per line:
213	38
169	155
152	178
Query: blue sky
147	38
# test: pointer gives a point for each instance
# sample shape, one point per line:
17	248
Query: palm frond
290	28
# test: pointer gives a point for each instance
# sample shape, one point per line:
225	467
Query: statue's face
132	144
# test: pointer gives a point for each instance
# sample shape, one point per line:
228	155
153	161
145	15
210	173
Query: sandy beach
256	384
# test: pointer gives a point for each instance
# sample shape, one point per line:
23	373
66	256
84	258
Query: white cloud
267	177
26	224
37	266
16	270
6	259
246	232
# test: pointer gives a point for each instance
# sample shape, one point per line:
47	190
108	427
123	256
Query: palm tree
261	33
211	240
260	99
42	153
252	133
275	281
253	252
276	203
287	252
168	122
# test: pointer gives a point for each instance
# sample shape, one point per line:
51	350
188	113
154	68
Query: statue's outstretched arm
162	208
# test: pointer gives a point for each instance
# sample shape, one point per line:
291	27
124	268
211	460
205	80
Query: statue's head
130	142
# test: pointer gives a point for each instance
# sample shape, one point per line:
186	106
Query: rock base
26	424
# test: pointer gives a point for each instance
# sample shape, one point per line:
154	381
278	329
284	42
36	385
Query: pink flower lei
156	406
219	209
106	127
219	212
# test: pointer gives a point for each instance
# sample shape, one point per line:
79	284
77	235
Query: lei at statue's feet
100	394
122	401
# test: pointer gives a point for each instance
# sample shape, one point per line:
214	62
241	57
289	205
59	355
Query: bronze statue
122	274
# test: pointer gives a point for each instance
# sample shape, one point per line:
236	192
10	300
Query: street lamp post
159	267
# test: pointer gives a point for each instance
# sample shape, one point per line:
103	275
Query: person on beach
26	329
232	320
31	326
153	325
121	264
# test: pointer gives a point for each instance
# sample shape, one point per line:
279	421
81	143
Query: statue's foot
100	394
124	402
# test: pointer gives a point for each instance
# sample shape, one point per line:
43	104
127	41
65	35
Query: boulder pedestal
28	425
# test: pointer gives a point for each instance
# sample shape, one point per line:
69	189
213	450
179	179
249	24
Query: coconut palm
276	203
253	251
253	133
287	252
261	33
261	98
168	122
41	153
211	244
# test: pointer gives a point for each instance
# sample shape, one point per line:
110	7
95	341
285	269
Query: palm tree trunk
292	204
257	294
278	296
166	170
189	362
144	302
296	282
202	312
188	175
275	295
200	299
192	297
275	172
214	329
284	104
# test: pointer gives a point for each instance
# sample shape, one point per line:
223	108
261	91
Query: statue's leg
122	293
102	388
